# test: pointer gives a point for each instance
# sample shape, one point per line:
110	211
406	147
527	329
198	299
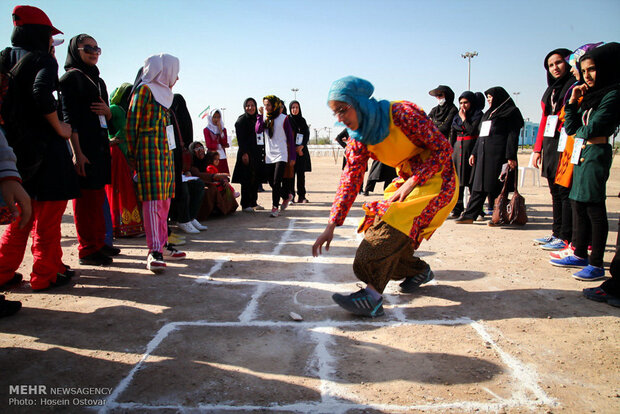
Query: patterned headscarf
276	104
373	116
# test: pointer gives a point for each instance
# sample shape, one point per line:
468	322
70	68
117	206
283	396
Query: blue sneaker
545	240
569	261
360	303
556	244
590	273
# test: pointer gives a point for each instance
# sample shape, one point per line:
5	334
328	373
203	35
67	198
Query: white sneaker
198	226
155	262
258	207
187	227
248	210
170	253
274	212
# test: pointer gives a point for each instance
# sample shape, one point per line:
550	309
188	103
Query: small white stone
295	316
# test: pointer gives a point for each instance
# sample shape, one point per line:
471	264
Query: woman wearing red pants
39	140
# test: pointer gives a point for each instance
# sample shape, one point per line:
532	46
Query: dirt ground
498	330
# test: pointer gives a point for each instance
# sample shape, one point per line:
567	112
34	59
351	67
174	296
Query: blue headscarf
373	116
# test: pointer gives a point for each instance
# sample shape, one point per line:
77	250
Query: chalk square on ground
229	366
426	360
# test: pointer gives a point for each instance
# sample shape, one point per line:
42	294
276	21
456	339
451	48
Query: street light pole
295	90
469	56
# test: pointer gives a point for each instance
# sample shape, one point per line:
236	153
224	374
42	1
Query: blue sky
233	49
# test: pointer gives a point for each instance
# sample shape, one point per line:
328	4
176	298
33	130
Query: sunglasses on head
92	50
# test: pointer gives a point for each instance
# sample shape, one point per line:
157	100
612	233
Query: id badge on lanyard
299	139
260	139
574	159
550	126
485	128
170	136
562	141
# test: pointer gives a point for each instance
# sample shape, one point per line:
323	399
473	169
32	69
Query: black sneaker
14	281
96	259
61	280
360	303
68	272
9	307
110	251
411	284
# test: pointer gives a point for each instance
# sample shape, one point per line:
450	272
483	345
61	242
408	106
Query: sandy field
498	330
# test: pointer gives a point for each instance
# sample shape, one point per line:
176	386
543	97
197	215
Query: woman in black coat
443	114
463	137
39	139
497	145
84	100
250	160
303	163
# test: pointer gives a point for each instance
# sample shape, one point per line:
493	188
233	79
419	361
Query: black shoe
464	220
366	193
9	307
110	251
455	214
260	189
15	280
360	303
61	280
96	259
411	284
68	272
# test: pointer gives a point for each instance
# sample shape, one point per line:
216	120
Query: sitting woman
216	138
214	200
398	134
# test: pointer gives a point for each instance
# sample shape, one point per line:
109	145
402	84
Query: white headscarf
159	73
212	127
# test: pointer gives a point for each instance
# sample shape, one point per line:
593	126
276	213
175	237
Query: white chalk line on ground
333	396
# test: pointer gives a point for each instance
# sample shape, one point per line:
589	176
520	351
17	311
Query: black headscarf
298	122
503	106
482	101
201	164
246	123
440	112
74	61
184	120
607	62
556	88
474	112
32	37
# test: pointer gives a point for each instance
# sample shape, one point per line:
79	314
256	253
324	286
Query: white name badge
574	159
299	139
170	135
102	121
260	139
552	123
562	141
485	128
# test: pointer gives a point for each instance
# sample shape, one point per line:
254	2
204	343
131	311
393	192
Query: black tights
591	219
279	186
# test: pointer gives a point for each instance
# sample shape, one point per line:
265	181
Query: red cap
32	15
